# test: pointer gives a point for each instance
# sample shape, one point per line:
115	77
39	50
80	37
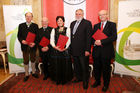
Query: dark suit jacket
107	49
41	34
23	31
81	40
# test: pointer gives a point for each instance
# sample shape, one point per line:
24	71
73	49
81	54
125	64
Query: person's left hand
44	49
61	50
98	42
32	44
87	53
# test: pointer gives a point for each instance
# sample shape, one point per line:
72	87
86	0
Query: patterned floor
117	85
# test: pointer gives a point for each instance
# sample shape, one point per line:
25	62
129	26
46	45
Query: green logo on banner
11	55
135	27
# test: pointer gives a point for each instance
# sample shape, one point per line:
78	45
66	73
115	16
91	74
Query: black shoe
45	78
35	75
96	84
76	81
85	85
63	82
57	83
26	78
104	89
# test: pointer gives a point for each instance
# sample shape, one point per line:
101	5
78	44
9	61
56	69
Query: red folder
99	35
62	40
44	42
30	37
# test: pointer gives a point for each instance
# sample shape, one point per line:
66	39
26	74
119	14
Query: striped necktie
102	26
75	27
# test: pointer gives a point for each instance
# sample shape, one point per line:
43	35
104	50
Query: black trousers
81	67
102	66
45	60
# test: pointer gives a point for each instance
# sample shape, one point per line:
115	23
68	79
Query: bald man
44	52
103	50
80	47
28	50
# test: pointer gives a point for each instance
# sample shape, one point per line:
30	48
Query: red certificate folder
99	35
62	40
44	42
30	37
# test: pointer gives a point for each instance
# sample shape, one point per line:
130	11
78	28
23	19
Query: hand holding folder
30	37
62	40
99	35
44	42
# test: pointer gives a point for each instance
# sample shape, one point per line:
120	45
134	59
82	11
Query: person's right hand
24	42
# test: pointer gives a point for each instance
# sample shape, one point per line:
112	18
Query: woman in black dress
60	65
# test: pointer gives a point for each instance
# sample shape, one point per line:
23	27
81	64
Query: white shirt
28	24
44	28
104	24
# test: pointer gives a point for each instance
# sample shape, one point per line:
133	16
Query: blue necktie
44	29
75	27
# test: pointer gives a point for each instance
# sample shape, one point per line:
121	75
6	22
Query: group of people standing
76	50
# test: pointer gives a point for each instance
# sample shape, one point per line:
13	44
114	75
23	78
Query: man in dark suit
28	50
103	50
44	52
80	47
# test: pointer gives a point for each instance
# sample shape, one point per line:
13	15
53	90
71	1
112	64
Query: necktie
102	26
44	29
75	27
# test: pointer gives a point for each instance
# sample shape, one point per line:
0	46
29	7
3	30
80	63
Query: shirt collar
28	24
104	23
79	20
45	27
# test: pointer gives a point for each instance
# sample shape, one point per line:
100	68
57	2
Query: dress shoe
64	82
45	78
85	85
104	89
76	81
57	83
26	78
96	84
35	75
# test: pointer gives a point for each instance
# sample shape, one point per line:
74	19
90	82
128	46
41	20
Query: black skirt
61	66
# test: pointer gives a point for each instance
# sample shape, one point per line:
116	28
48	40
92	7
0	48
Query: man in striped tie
80	47
103	50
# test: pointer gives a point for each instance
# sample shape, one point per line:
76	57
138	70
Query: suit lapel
106	26
80	23
46	29
79	26
99	25
73	26
42	29
25	25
